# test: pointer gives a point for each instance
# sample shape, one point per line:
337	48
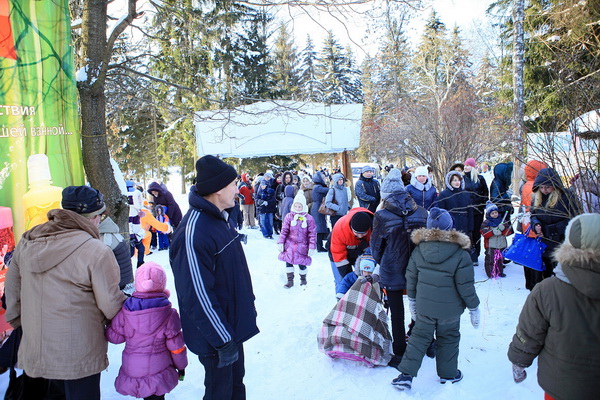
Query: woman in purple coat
297	240
155	356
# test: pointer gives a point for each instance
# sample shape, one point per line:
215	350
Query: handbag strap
526	233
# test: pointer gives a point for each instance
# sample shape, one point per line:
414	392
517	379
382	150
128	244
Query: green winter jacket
560	323
440	273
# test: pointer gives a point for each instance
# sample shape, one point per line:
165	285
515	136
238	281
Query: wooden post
347	171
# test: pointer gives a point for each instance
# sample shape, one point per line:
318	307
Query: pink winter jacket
154	345
296	239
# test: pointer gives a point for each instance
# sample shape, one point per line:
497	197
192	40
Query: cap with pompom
150	277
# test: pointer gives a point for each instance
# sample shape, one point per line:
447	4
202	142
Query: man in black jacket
213	284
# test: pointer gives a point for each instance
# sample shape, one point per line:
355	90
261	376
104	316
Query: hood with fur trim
448	178
439	245
582	267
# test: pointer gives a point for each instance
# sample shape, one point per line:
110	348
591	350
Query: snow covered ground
283	361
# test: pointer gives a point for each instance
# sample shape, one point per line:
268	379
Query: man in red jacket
349	238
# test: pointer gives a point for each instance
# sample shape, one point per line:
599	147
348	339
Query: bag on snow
526	251
357	327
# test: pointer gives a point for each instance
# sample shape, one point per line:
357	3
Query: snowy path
283	361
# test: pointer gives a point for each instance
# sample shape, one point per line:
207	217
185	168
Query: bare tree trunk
96	50
518	88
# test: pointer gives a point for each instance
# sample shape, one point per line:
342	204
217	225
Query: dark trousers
136	244
224	383
87	388
533	277
153	239
396	303
333	219
163	241
489	262
155	397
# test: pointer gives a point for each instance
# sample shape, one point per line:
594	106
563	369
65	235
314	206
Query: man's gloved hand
519	373
280	247
311	252
228	354
474	313
373	278
412	307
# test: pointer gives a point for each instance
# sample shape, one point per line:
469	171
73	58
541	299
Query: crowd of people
405	235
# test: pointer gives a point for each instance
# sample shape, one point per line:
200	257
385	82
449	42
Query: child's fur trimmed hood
582	267
438	235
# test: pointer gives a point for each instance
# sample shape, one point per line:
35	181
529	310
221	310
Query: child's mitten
412	307
280	247
474	313
519	373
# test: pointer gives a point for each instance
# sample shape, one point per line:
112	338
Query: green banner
38	109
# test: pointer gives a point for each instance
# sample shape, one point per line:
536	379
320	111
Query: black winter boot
290	281
302	279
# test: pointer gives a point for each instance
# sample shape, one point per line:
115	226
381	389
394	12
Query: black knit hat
361	222
213	175
84	200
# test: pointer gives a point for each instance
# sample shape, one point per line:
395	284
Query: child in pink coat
297	240
155	356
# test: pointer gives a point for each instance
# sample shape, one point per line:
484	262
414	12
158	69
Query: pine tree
253	65
310	87
337	74
285	66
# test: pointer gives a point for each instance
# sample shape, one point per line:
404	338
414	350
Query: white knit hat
421	171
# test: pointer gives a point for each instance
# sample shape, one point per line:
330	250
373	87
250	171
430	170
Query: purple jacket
296	239
154	345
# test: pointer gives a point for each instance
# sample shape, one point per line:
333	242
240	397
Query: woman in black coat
552	207
391	247
477	186
457	201
319	191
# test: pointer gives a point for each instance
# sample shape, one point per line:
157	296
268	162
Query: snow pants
447	332
224	383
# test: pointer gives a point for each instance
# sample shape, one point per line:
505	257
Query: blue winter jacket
214	289
265	201
500	188
423	194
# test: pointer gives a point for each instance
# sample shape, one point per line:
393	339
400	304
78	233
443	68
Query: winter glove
474	313
280	247
228	354
519	373
501	227
311	252
181	373
412	307
496	232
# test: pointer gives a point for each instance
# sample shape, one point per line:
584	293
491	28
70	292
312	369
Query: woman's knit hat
471	162
150	277
422	171
392	183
